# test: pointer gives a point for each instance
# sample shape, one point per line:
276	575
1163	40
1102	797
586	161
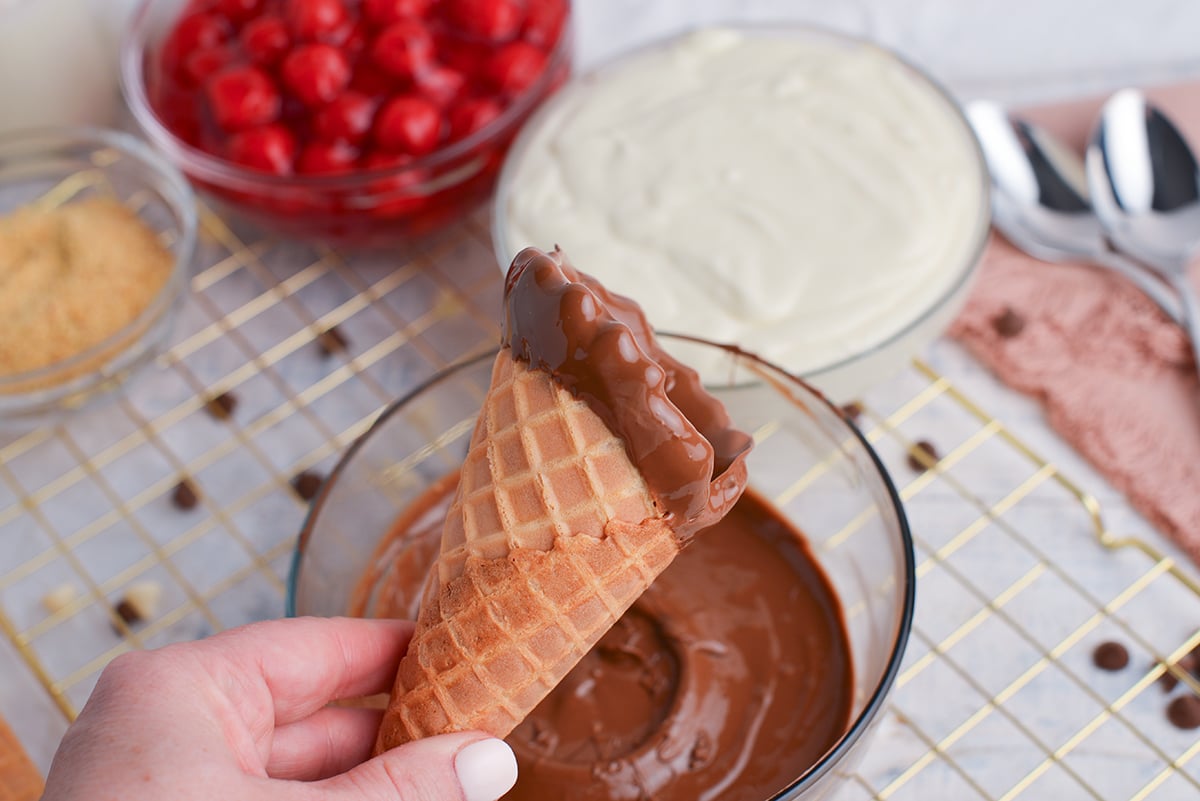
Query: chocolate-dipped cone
557	525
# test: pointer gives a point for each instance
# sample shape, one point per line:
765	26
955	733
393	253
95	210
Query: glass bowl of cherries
355	122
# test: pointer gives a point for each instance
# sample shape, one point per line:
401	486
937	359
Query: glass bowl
51	167
361	208
819	470
886	349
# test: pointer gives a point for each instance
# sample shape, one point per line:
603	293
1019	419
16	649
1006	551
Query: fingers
327	743
282	671
452	767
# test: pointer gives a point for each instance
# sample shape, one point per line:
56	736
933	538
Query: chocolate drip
599	346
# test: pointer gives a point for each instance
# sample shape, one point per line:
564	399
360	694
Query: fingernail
486	770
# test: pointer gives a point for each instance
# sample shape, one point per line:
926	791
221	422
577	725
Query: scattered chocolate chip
307	484
914	455
1191	662
1111	656
1169	681
852	411
1008	323
331	341
128	612
221	406
139	604
1184	712
184	497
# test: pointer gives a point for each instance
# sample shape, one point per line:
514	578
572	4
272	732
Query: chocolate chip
1169	681
128	612
331	341
1191	662
1184	712
852	411
184	497
1111	656
221	406
1008	323
914	455
307	484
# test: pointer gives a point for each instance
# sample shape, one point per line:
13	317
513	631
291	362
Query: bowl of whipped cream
808	196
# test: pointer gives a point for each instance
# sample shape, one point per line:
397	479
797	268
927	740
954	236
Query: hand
244	715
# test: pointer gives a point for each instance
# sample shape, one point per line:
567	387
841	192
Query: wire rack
997	698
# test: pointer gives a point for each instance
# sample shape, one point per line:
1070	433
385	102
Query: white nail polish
486	770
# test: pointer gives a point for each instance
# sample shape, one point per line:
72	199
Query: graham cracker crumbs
71	277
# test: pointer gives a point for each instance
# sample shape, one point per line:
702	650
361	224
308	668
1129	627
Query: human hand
244	715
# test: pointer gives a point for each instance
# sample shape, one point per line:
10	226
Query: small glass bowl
363	208
56	166
845	378
817	467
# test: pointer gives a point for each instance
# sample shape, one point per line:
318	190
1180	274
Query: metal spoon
1040	199
1145	184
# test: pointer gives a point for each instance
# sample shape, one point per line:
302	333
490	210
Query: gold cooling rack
997	698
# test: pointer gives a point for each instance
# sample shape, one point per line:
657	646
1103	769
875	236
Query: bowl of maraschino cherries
350	121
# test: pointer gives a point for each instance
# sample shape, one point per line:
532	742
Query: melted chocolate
600	347
731	691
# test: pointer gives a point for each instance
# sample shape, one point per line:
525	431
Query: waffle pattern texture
19	777
551	537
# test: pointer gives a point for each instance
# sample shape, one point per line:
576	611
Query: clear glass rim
874	704
982	225
43	141
206	167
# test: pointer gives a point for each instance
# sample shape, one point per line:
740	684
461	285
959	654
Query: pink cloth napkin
1115	377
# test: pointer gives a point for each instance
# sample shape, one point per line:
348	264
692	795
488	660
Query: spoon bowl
1145	183
1040	199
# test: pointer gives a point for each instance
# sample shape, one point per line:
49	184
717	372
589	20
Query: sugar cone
551	537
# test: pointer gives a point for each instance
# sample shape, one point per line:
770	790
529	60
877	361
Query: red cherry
316	73
191	34
346	119
178	112
385	12
544	21
494	20
408	124
266	39
239	10
470	115
440	84
515	67
382	160
242	97
356	39
371	81
466	57
326	158
398	194
202	63
270	148
403	49
313	19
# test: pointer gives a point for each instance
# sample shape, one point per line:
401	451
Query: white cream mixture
800	195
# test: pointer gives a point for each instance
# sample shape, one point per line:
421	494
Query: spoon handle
1191	310
1150	285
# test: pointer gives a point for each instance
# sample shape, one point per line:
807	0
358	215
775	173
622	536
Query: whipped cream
804	196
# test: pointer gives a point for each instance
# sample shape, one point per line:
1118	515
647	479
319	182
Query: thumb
450	767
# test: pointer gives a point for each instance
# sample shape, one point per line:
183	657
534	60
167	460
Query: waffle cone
551	537
20	779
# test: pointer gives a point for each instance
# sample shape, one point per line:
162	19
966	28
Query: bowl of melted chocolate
752	669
